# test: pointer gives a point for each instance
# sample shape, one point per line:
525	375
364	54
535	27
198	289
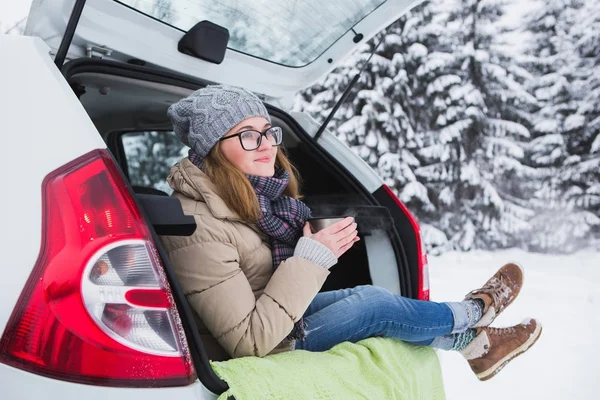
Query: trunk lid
274	49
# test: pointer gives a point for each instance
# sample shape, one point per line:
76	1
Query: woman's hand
338	237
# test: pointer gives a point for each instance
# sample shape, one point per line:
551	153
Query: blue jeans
368	311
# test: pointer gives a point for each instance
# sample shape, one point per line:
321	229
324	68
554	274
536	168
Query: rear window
150	155
293	33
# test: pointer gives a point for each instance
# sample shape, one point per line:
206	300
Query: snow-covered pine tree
477	117
150	155
461	113
431	76
376	119
582	168
562	62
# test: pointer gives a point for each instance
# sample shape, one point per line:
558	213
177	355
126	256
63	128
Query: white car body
45	127
52	115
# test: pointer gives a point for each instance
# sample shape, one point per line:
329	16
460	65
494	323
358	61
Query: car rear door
275	48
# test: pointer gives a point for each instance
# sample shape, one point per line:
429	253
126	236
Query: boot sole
491	372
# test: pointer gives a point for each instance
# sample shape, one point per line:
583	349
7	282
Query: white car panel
21	385
382	261
130	34
44	126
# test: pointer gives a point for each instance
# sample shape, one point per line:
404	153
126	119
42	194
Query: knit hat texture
206	115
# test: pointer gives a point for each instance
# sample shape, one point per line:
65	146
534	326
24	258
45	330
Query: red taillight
97	308
423	290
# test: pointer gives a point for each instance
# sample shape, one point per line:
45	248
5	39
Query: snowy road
563	292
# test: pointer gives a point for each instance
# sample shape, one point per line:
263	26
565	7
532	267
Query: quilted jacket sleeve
221	295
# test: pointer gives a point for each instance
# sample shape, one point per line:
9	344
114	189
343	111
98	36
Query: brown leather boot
493	348
498	292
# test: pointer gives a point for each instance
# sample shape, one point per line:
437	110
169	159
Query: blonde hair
235	188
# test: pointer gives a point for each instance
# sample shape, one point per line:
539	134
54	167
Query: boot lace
497	289
501	331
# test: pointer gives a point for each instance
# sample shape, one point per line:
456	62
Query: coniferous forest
488	133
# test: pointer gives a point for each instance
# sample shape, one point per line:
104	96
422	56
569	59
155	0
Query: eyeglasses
251	140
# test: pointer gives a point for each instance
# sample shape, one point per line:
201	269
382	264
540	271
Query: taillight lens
97	307
423	289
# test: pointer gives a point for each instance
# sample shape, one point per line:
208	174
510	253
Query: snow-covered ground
563	292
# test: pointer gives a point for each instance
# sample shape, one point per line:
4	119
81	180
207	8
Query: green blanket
373	369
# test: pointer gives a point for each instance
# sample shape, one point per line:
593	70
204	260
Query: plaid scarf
282	219
282	216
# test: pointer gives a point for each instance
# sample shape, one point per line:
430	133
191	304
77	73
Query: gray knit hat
203	117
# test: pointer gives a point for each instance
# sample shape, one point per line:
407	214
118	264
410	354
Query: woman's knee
374	300
374	292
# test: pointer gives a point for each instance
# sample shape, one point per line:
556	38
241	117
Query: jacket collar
189	180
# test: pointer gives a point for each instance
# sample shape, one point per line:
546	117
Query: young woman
253	269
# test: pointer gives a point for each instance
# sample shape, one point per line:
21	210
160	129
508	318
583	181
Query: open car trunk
271	48
128	104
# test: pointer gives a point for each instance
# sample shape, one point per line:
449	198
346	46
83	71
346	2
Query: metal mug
316	224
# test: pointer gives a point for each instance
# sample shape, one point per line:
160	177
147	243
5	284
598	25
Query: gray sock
474	308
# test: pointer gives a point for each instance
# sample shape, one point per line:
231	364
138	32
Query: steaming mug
316	224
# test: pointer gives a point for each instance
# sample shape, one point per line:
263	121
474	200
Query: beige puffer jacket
226	271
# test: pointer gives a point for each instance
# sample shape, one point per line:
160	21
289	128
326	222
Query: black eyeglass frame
259	142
